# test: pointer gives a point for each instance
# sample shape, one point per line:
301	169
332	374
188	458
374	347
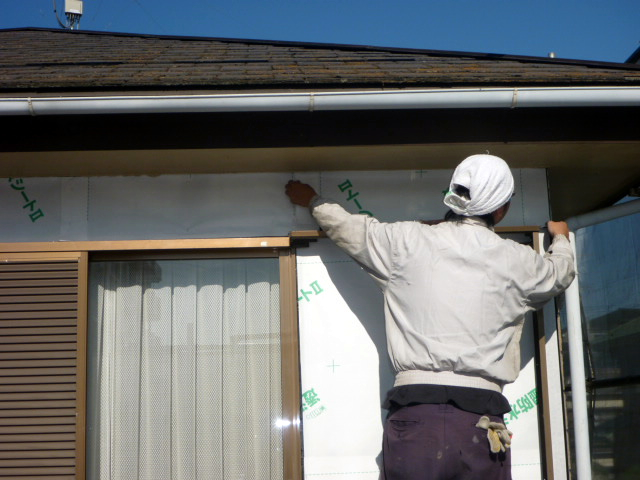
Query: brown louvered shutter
42	365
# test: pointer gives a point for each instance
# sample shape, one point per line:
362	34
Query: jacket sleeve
551	274
364	238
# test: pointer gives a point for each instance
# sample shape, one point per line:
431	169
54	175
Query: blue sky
602	30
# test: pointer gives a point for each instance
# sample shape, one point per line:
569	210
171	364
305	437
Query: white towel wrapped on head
489	181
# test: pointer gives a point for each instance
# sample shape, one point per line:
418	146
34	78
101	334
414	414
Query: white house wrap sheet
344	361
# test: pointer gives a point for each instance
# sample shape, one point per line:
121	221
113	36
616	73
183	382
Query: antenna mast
73	12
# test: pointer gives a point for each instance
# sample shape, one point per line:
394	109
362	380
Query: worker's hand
299	193
558	228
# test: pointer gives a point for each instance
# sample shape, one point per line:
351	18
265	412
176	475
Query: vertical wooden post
292	434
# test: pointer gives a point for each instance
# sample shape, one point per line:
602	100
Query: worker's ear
500	213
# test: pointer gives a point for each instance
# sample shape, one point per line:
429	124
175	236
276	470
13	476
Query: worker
455	298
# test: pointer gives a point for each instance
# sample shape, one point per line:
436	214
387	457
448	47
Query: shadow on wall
365	300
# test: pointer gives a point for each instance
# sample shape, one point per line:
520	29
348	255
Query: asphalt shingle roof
50	60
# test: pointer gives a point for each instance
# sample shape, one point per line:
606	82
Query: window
609	267
194	366
185	369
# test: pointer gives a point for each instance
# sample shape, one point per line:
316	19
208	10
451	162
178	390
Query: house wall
343	353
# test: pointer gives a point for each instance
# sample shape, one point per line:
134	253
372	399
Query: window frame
275	247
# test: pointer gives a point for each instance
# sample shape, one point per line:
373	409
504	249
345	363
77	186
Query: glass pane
184	370
609	266
616	433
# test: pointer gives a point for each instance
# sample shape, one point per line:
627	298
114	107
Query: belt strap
451	379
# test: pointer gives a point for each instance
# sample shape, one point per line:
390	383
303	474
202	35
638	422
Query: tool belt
497	433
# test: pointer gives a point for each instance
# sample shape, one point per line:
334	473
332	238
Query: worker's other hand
299	193
558	228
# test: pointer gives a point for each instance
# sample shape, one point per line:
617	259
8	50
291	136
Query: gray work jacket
455	294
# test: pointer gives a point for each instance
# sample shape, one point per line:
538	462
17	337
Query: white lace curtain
184	370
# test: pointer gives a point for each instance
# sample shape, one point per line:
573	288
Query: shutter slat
69	281
42	412
39	387
48	362
37	437
68	314
36	471
38	477
19	339
26	446
42	322
35	396
23	429
38	267
52	420
17	454
37	275
38	347
38	462
37	355
27	307
37	331
37	379
26	372
29	404
16	294
17	299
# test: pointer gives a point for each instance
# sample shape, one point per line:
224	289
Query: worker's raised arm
360	236
554	272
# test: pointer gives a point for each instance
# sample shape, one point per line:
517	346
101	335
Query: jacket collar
476	221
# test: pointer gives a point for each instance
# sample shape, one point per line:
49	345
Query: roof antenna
73	12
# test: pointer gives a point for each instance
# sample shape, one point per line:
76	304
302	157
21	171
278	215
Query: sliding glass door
184	370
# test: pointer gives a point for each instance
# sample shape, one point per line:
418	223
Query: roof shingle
61	60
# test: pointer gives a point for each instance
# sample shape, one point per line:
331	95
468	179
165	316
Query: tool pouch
497	433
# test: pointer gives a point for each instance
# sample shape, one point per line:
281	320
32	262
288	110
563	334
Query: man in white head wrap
487	184
455	297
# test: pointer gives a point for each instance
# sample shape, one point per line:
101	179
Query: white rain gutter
575	340
324	101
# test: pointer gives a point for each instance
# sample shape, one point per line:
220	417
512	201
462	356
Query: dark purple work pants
439	442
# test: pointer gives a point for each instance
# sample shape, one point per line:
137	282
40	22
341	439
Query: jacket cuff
315	201
560	242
